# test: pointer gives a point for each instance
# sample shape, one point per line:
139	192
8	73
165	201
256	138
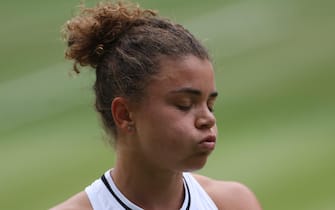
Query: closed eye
184	108
210	104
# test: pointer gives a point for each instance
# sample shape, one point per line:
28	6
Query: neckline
127	204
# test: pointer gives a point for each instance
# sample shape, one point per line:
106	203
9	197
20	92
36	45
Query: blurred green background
275	72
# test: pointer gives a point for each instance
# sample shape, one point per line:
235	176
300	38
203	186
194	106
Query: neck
145	185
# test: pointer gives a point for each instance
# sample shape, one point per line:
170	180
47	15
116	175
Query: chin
196	164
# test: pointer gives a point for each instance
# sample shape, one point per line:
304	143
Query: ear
121	113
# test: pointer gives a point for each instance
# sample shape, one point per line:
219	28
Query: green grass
275	73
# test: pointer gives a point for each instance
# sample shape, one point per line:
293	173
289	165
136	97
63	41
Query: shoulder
76	202
229	195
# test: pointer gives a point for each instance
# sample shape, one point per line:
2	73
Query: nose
205	119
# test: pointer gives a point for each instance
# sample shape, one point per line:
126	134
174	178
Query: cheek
166	124
169	124
176	120
171	140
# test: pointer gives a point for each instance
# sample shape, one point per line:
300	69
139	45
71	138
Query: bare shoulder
229	195
79	201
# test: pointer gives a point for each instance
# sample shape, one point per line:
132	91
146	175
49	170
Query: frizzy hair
124	44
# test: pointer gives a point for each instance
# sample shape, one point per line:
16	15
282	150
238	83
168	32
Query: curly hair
124	44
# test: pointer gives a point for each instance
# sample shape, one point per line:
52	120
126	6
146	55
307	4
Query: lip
208	143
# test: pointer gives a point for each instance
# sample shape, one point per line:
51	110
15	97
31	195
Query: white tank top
104	195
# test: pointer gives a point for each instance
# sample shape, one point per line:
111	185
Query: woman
155	93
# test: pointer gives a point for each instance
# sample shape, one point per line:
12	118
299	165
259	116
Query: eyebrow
195	92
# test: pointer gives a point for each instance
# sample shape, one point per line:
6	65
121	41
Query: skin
160	137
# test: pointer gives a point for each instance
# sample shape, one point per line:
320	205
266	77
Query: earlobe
121	114
130	128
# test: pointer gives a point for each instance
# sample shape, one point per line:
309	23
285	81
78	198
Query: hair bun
90	34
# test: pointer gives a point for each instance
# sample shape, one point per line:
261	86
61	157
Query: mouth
208	143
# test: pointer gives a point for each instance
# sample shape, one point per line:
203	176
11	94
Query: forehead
188	71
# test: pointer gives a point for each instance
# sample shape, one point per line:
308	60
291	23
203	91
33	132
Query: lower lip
207	145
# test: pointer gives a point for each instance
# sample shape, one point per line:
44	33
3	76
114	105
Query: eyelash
211	107
184	108
187	108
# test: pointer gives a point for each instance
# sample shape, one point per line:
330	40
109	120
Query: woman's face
175	125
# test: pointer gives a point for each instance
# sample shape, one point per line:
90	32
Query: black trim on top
104	180
189	196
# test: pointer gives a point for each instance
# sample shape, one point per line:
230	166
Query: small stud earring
130	128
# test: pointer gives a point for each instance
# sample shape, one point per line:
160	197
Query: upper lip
210	138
